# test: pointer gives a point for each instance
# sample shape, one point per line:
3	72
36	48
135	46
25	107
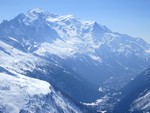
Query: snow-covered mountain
135	97
88	48
76	57
15	61
21	94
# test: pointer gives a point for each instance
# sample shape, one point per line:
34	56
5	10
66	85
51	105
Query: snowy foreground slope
21	94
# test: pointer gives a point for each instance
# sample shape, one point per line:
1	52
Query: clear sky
125	16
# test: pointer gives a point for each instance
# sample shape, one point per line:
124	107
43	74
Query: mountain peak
39	12
36	10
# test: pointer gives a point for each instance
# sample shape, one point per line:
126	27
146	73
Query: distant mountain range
76	61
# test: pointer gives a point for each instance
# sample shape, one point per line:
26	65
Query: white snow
15	92
98	101
142	103
16	60
96	58
147	51
13	39
99	111
21	92
100	89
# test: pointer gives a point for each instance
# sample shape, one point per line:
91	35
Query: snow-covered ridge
86	35
16	92
36	87
142	103
17	61
24	94
38	13
81	37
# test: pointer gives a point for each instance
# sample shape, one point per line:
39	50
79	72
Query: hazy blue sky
125	16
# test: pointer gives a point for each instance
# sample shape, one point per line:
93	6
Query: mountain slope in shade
136	95
33	66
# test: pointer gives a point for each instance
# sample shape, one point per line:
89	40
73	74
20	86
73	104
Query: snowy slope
16	60
19	94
